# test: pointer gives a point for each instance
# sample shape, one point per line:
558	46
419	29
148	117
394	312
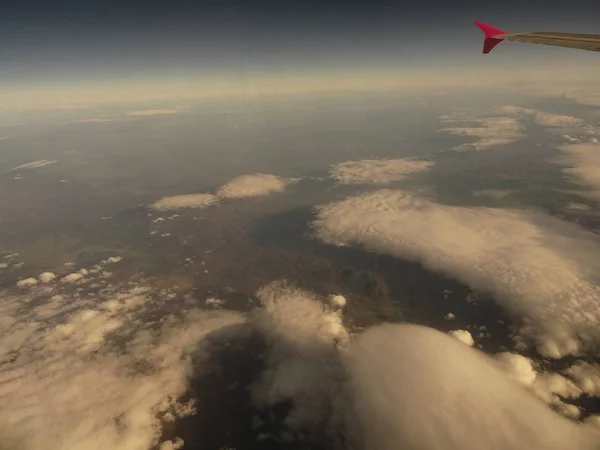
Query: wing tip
492	36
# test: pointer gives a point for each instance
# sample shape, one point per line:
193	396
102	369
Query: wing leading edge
494	36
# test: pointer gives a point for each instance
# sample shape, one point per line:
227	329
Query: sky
177	46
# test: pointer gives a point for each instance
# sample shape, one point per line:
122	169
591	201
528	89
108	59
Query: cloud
105	368
502	126
463	336
493	193
93	370
586	376
518	367
399	386
27	282
415	387
254	185
113	260
539	268
47	277
543	118
556	120
185	201
94	120
154	112
488	132
304	340
377	171
582	163
72	278
35	164
584	97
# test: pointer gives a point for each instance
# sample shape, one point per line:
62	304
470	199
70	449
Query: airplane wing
494	36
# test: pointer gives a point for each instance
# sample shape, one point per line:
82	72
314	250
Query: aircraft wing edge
493	36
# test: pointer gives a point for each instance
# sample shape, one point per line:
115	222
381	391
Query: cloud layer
254	185
154	112
417	388
487	132
185	201
539	268
505	125
543	118
90	369
582	163
35	164
377	171
104	367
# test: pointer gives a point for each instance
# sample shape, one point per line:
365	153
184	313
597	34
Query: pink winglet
492	36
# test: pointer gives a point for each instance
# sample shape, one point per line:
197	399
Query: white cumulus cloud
377	171
538	267
27	282
253	185
72	278
463	336
418	388
185	201
518	367
47	277
487	132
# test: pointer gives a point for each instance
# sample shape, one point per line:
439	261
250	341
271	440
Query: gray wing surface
589	42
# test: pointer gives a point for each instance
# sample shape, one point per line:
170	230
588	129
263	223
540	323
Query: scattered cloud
304	340
337	301
543	118
72	278
518	367
92	371
376	389
538	267
463	336
35	164
556	120
377	171
582	163
254	185
185	201
373	391
155	112
488	132
27	282
113	260
47	277
504	125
